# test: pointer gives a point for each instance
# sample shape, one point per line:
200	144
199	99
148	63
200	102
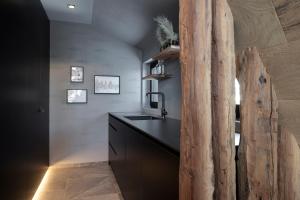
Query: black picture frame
83	102
71	74
108	76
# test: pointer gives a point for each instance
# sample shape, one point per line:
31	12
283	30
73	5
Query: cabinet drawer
117	136
118	165
112	157
160	172
116	139
116	123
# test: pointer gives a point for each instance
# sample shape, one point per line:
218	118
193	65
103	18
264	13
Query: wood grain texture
223	100
289	116
273	27
257	165
196	162
283	63
274	117
171	53
256	24
287	11
289	166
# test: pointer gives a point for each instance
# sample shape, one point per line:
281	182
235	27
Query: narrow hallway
87	182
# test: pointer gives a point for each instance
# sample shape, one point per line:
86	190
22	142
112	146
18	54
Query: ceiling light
71	6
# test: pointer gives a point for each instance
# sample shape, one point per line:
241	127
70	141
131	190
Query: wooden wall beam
289	166
196	162
223	100
257	151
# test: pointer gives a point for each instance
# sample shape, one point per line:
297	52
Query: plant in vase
165	33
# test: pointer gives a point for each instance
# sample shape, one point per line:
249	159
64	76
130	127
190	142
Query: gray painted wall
171	87
78	133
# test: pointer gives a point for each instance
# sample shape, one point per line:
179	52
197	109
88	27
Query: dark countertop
166	132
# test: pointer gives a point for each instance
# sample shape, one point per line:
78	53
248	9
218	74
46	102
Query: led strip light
41	186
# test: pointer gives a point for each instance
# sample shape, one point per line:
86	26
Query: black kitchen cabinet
117	153
144	169
134	158
160	172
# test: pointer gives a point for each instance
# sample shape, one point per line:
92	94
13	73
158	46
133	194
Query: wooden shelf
157	77
170	53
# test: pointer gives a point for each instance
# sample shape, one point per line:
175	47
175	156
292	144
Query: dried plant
165	31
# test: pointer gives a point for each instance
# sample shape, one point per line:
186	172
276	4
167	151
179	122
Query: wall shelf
157	77
170	53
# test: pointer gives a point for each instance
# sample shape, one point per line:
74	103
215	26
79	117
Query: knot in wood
262	79
259	102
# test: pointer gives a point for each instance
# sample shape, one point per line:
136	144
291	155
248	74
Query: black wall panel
24	97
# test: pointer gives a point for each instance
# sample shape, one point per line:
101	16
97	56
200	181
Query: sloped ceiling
58	10
126	20
288	14
256	24
274	27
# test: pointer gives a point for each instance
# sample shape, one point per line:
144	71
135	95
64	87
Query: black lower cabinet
160	172
117	152
144	169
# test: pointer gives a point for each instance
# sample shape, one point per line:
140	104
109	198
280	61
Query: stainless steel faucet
163	108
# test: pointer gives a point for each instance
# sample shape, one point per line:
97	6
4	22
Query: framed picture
106	84
77	96
77	74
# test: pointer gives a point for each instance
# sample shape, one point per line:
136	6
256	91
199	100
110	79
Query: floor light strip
41	186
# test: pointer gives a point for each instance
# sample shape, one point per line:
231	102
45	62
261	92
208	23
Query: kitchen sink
142	117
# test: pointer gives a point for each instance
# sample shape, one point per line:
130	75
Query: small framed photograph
107	84
77	96
77	74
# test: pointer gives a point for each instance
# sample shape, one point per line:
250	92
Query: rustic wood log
288	166
257	157
223	100
196	162
274	135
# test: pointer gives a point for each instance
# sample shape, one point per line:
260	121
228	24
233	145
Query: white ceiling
57	10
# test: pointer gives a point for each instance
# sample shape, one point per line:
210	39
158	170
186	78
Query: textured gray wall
78	133
171	87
